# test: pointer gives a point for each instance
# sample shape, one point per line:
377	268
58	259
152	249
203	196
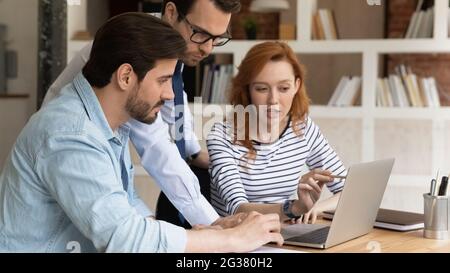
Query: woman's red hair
251	66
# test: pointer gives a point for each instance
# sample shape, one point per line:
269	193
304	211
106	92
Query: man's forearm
208	240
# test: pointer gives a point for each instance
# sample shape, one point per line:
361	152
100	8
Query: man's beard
140	110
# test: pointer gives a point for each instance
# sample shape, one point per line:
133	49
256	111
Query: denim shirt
68	185
176	180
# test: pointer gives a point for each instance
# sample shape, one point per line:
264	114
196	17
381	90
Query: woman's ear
298	84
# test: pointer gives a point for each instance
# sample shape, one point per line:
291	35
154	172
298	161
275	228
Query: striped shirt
274	175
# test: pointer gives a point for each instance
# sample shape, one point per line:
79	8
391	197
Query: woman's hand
323	205
308	218
309	190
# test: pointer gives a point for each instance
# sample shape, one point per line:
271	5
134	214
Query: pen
446	192
339	176
436	188
443	187
433	186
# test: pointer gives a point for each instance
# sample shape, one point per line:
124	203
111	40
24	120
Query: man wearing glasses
204	25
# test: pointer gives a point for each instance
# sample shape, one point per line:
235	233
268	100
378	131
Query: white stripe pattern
274	175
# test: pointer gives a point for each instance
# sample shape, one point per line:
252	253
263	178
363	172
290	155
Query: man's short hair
185	6
133	38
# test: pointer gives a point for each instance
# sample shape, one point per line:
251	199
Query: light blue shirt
159	154
69	182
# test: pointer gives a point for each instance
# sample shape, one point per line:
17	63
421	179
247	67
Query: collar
92	106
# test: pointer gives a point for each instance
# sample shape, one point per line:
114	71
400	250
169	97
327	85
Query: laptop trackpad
290	231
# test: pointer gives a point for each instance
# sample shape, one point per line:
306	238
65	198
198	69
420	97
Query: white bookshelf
368	116
367	119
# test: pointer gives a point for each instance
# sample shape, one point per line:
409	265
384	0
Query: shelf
351	46
14	96
318	111
412	113
337	46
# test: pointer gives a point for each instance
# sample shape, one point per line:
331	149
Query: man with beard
69	179
204	25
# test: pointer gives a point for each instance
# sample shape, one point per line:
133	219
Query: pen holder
437	217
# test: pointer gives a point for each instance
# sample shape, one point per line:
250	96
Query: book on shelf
216	82
422	20
406	89
448	23
324	25
347	92
287	32
210	79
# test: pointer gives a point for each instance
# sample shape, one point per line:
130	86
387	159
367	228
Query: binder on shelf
422	20
406	89
287	32
215	83
347	92
338	91
384	96
448	23
324	25
318	32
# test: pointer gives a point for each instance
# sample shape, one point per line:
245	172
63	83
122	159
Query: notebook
392	219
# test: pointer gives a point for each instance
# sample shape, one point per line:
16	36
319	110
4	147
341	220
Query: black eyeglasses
201	36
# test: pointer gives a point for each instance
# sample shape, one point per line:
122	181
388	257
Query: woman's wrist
298	208
291	209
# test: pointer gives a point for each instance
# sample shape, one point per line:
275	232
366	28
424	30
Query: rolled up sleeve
160	158
86	184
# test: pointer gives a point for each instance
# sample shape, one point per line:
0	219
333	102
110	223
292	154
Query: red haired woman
261	170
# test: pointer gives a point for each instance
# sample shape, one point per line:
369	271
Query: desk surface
384	241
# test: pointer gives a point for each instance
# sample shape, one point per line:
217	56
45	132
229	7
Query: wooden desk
385	241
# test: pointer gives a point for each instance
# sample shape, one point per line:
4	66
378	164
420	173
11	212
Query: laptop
355	213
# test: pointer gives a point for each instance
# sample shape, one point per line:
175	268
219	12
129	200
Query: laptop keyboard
318	236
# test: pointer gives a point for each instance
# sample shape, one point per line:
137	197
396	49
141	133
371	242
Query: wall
21	16
23	38
265	23
97	15
14	115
